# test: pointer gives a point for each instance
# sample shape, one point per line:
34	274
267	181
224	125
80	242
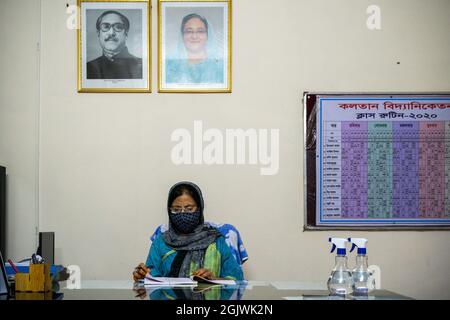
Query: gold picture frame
114	46
194	46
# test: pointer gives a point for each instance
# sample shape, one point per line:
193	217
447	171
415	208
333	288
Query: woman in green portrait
198	58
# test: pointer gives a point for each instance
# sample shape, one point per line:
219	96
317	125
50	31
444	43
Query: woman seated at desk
189	247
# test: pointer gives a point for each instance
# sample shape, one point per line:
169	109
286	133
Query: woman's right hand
140	272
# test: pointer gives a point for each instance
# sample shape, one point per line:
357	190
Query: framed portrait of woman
114	46
194	46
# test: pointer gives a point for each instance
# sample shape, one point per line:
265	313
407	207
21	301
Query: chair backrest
231	234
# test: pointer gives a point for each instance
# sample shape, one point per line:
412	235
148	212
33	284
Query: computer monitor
46	247
3	210
4	286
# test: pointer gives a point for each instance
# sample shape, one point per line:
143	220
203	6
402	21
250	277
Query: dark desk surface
253	290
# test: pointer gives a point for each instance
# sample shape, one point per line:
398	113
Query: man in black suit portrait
115	62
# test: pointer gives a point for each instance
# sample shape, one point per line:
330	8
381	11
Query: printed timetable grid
377	165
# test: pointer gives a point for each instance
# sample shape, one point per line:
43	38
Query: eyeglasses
189	209
118	27
200	32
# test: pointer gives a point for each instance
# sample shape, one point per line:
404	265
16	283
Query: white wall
19	116
105	163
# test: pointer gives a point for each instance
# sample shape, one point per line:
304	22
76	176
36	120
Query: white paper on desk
165	281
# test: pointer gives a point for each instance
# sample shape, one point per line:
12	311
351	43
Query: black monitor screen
3	277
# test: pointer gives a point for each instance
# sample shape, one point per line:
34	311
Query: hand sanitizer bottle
340	282
361	274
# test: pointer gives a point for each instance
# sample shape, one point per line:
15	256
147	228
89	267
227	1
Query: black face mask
185	222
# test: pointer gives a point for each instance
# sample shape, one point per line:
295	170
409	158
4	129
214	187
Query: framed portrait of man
114	46
194	46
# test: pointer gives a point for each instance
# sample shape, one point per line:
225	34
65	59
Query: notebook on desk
192	281
166	281
213	281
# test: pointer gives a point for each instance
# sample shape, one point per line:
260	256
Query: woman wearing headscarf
189	247
198	58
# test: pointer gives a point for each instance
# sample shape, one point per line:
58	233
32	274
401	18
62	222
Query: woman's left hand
205	273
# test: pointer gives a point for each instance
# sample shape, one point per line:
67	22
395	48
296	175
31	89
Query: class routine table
383	162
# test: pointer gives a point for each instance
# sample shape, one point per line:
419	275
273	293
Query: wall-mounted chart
380	160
